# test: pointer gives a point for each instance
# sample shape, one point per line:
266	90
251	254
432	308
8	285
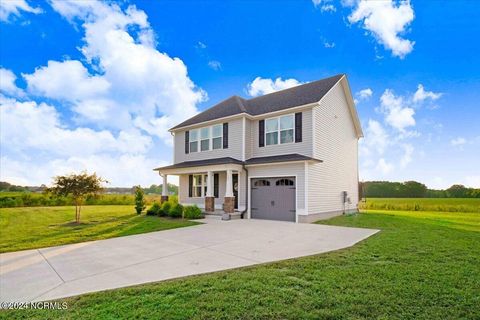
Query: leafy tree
78	186
139	200
457	191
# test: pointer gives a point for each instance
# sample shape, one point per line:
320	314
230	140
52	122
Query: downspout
246	195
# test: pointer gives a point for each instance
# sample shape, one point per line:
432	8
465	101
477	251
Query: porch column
164	189
229	200
209	197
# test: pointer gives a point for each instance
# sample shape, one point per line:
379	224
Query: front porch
215	188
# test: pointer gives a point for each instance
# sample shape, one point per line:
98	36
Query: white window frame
220	136
195	186
279	141
197	141
210	139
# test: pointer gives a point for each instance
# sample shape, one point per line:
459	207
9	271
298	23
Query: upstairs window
217	136
279	130
194	140
205	139
271	131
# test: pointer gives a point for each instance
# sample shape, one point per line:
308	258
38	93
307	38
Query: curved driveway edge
68	270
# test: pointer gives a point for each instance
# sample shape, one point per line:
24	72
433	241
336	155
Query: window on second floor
279	130
205	139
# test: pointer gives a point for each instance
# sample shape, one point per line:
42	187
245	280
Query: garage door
273	198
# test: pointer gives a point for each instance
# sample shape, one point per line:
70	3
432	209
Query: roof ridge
295	87
240	101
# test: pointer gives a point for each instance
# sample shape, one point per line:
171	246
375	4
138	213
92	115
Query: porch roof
231	161
201	163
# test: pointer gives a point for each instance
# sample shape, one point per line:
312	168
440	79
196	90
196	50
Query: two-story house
291	155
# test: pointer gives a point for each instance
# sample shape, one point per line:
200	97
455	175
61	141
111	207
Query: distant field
423	204
32	199
38	227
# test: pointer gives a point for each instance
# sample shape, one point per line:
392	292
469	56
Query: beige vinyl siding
248	138
336	143
304	147
286	169
234	149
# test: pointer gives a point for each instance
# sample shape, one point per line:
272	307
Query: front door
235	188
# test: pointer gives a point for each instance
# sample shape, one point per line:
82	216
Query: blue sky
95	85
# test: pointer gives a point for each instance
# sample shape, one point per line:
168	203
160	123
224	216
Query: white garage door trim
269	177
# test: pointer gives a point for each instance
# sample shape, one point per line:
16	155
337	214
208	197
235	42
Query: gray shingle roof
300	95
199	163
229	160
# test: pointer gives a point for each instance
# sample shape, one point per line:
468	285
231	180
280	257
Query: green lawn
37	227
423	204
417	267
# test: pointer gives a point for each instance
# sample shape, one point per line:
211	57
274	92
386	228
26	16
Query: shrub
139	200
192	212
165	211
176	211
154	209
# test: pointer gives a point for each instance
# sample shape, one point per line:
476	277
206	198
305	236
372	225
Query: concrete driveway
69	270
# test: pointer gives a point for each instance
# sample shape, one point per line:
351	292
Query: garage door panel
273	200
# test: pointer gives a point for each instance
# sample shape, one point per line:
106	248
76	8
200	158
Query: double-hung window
217	136
197	186
205	139
194	140
271	131
279	130
286	128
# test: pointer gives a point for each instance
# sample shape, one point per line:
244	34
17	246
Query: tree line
413	189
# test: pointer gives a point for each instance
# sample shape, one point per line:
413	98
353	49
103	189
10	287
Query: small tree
78	186
139	200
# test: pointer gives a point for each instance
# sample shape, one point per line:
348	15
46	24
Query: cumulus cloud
324	5
261	86
407	155
9	8
386	21
364	94
7	84
133	79
384	167
116	103
421	95
397	113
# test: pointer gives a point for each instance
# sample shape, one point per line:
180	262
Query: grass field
37	227
423	204
420	266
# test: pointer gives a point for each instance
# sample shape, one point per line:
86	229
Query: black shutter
215	185
261	133
225	135
190	186
298	127
187	141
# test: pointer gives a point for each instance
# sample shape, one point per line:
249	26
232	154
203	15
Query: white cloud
376	139
132	79
407	155
384	167
329	45
328	8
116	103
421	95
458	141
386	21
364	94
261	86
200	45
215	65
397	114
472	181
10	8
7	84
